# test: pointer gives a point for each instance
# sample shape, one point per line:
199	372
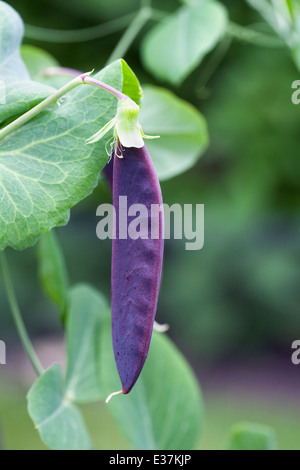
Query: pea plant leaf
173	48
131	85
164	409
20	97
57	420
46	168
36	61
12	67
182	129
85	318
250	436
284	17
52	271
52	399
18	93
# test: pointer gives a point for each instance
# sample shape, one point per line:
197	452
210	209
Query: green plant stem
245	34
15	125
131	33
18	317
78	35
83	79
214	62
69	36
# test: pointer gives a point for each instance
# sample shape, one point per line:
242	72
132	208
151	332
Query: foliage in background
248	436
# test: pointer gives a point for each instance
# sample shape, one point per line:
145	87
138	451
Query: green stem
131	33
87	80
251	36
83	79
77	35
15	125
214	62
11	296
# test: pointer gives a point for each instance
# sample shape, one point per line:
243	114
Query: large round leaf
11	33
164	409
57	420
251	436
46	167
182	129
173	48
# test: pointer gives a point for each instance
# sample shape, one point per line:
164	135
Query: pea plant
59	129
52	153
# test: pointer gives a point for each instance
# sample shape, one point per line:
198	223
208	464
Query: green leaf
20	97
249	436
46	168
86	314
37	61
290	7
175	47
57	420
131	85
182	129
18	93
52	270
12	67
164	409
284	17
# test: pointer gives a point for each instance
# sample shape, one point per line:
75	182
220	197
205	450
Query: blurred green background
233	307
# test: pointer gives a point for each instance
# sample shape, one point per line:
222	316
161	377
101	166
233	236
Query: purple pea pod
109	171
136	264
136	259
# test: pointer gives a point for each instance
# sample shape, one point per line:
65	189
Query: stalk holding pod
136	263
